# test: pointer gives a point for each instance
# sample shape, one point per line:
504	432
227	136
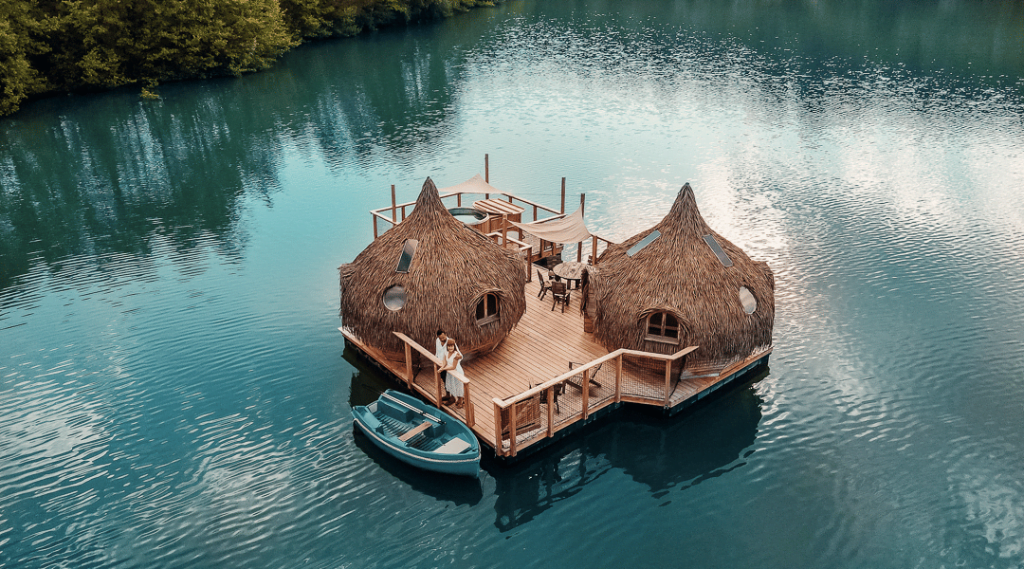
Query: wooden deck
538	353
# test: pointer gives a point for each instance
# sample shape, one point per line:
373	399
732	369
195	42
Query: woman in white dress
453	361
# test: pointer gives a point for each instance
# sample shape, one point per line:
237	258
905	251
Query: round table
570	271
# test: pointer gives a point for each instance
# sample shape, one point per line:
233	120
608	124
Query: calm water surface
174	392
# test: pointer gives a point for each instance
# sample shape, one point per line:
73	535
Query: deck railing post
586	393
393	202
403	214
593	252
618	379
374	225
470	418
551	411
408	365
498	447
535	213
437	385
668	380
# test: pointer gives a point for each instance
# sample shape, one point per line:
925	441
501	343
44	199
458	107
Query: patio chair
545	285
593	371
559	294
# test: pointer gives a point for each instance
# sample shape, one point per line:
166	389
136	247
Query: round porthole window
394	297
748	300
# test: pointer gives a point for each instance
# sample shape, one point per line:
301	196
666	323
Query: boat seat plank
453	446
414	431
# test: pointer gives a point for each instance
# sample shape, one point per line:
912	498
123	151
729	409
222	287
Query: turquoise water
174	392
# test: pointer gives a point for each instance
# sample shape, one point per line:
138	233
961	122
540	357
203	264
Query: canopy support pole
563	196
579	246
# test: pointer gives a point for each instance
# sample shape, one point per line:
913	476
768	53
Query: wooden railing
438	392
402	208
519	417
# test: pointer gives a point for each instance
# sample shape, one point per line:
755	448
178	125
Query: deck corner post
470	418
487	168
668	381
374	225
512	420
393	203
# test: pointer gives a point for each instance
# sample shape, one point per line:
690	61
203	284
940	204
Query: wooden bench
415	431
454	446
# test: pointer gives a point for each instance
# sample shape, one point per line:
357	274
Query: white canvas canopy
568	229
474	185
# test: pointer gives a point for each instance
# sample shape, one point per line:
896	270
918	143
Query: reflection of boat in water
663	453
418	435
468	491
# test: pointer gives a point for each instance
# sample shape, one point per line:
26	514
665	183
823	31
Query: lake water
174	391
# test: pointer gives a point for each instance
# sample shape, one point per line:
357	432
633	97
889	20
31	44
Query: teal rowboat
419	435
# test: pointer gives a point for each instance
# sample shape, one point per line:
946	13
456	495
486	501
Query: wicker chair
545	285
559	294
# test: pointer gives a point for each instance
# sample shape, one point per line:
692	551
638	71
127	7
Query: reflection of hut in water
432	271
681	284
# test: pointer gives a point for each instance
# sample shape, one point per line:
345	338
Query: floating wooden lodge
662	319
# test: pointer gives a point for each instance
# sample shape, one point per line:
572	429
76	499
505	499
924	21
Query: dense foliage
69	45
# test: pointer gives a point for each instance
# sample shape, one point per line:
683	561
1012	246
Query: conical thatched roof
453	268
679	273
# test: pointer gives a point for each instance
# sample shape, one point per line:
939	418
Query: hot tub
468	215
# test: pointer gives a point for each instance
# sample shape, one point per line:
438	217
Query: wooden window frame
488	317
663	326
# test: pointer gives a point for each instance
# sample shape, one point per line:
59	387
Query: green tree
19	31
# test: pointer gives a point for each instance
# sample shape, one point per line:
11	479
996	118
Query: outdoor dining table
570	271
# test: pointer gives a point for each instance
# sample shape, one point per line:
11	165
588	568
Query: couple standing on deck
451	359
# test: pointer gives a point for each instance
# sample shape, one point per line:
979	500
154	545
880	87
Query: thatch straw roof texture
680	274
453	268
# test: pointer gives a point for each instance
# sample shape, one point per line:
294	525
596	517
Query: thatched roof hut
432	271
667	288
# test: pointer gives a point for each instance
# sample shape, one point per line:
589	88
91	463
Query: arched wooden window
487	309
662	327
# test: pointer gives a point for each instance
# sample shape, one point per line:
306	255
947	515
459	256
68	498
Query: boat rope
413	409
